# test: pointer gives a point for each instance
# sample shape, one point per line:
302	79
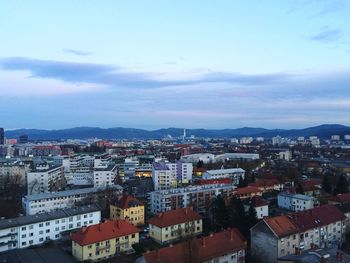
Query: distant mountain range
322	131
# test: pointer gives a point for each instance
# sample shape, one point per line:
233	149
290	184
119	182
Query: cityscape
175	131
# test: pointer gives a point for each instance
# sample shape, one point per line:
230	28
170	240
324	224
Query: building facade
26	231
294	202
198	197
128	208
234	174
103	240
46	202
45	179
173	225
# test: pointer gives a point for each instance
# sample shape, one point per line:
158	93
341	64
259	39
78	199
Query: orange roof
248	190
199	250
103	231
281	225
174	217
127	201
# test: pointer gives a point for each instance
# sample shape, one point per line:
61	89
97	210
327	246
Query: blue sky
154	64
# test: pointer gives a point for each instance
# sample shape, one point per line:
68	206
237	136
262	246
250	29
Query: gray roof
26	220
108	168
69	192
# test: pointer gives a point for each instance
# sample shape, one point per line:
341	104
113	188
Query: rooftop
221	171
69	193
26	220
199	250
127	201
103	231
281	225
160	166
174	217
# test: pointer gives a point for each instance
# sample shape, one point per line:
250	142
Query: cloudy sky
156	64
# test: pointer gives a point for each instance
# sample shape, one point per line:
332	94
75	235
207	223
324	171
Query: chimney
83	229
203	241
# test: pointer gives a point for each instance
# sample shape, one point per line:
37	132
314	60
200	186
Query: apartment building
25	231
103	240
13	172
168	175
234	174
175	224
279	236
105	176
198	197
46	202
248	192
294	202
227	246
128	208
260	205
45	178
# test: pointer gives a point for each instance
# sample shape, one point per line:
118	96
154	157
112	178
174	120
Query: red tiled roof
257	201
103	231
213	181
316	217
201	249
174	217
127	201
265	182
248	190
312	184
281	225
341	198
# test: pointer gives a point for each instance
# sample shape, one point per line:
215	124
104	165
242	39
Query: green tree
299	189
326	184
342	185
242	182
237	215
220	213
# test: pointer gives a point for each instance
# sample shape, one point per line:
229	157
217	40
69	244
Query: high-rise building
23	138
2	136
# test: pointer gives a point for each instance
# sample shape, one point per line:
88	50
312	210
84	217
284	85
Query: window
41	232
24	236
47	223
23	228
31	234
47	231
31	227
24	243
133	235
41	225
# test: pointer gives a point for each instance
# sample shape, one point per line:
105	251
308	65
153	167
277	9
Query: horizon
187	128
154	64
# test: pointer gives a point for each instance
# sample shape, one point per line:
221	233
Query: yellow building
128	208
175	224
104	240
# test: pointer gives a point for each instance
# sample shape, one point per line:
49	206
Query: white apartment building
162	176
168	175
294	202
47	202
197	197
232	173
105	176
102	161
26	231
13	172
45	179
195	158
237	156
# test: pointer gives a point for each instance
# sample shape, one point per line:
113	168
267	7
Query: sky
189	64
